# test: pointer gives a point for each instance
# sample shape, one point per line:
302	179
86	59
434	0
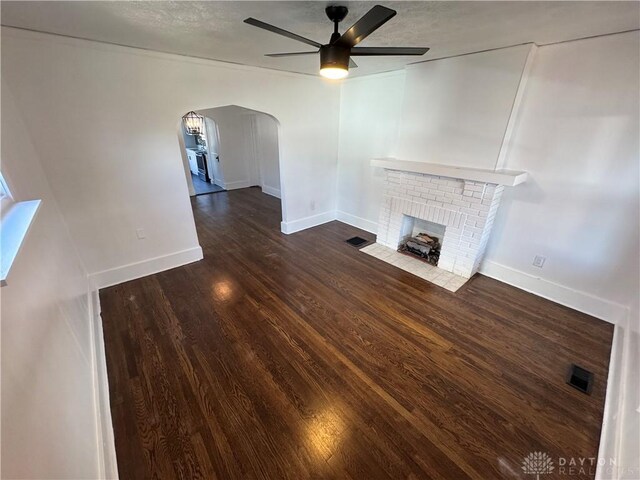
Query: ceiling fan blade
352	64
280	31
292	54
369	22
373	51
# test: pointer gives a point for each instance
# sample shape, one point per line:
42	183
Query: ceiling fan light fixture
334	62
334	73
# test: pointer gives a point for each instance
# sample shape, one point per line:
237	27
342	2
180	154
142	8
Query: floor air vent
580	378
356	241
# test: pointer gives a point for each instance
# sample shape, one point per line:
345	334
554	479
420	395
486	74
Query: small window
15	221
4	191
5	196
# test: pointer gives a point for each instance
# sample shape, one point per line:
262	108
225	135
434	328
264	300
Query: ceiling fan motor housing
334	56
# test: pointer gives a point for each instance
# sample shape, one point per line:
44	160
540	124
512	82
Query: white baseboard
114	276
307	222
581	301
274	192
611	416
237	184
620	436
107	461
359	222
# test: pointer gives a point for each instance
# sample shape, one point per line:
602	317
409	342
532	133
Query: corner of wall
274	192
620	434
105	442
358	222
584	302
516	108
131	271
307	222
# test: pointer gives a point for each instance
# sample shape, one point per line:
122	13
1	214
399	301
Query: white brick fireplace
460	202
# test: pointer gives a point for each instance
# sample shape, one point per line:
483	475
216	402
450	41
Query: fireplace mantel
507	178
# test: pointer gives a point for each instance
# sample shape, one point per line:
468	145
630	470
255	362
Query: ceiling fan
335	56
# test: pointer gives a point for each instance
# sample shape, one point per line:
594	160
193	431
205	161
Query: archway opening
239	148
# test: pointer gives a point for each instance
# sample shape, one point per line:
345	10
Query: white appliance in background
193	161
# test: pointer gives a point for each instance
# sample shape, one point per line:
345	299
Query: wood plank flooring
299	357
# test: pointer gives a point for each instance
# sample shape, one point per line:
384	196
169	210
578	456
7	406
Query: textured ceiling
215	30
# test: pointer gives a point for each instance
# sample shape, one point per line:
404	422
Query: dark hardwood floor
299	357
201	187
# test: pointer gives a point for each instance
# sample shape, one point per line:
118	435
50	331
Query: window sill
15	225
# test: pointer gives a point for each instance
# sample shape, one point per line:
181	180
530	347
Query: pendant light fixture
193	123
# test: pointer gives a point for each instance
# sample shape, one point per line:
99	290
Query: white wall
370	110
457	109
453	111
235	148
576	135
49	427
629	394
620	438
185	160
267	153
213	149
103	120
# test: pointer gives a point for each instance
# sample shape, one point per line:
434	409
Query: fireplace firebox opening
421	239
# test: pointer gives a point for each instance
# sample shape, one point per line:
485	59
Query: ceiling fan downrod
336	14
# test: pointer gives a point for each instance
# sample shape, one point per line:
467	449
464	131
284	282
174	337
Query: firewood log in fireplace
418	248
424	246
423	237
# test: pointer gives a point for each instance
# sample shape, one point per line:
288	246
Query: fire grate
356	241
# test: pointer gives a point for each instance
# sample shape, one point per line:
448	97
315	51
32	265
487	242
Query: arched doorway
241	147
